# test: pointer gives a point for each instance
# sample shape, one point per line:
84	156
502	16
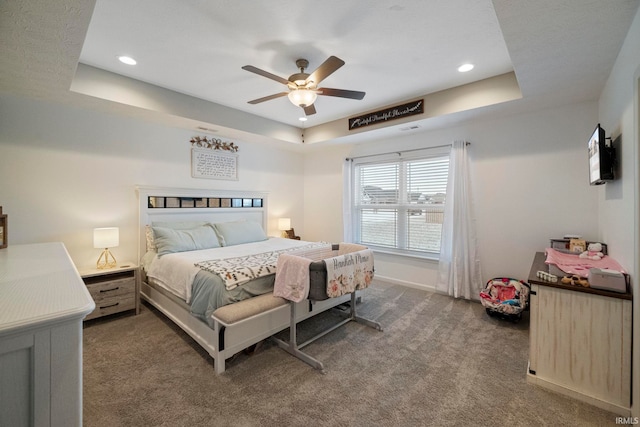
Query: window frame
401	207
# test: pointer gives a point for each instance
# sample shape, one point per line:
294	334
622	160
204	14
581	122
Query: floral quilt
240	270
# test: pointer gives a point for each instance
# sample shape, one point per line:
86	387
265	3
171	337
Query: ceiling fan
303	87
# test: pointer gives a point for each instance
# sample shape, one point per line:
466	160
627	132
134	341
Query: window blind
399	204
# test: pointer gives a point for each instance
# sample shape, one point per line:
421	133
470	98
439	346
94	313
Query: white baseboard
561	389
408	284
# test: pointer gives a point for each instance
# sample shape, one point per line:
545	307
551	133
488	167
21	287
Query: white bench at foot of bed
236	326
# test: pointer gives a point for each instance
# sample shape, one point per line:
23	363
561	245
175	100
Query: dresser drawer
113	304
112	291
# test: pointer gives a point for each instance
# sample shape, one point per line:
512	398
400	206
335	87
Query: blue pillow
168	240
238	232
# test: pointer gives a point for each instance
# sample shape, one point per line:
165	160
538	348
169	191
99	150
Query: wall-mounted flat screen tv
601	158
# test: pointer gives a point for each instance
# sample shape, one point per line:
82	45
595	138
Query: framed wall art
214	164
4	238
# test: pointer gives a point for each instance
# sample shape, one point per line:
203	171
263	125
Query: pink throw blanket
573	264
292	277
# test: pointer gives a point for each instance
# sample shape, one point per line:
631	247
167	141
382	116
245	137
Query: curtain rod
399	153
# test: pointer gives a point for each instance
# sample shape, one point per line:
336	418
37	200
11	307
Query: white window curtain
347	200
459	269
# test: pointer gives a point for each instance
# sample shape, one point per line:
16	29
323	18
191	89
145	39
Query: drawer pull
109	290
110	305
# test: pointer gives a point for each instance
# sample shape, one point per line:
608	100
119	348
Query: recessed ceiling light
465	67
127	60
303	119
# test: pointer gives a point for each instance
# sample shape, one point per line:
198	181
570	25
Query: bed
233	314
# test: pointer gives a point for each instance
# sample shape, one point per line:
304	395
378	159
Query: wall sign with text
214	164
397	112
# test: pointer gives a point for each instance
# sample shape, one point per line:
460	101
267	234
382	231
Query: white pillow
151	244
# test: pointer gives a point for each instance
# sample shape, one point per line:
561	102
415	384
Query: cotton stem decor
213	143
459	268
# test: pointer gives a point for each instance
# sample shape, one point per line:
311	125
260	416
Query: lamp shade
302	97
284	224
108	237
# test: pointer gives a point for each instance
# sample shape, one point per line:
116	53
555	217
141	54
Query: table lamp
108	237
284	225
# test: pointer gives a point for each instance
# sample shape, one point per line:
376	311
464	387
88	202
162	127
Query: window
398	203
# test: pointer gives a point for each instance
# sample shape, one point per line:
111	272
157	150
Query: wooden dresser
580	341
42	303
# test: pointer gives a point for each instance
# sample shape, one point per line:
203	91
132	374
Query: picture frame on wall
4	237
214	165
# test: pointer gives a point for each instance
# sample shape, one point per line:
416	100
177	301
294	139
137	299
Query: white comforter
175	272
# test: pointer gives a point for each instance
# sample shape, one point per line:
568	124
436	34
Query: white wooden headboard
197	204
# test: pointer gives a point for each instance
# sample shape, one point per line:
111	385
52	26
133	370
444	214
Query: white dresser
580	342
42	303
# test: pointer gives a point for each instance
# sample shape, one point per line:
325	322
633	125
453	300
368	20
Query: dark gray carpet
438	362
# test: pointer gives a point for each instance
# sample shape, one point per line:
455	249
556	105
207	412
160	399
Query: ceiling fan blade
309	110
325	69
341	93
269	98
266	74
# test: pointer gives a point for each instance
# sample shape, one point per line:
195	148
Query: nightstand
114	290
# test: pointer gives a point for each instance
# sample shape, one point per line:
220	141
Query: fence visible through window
399	204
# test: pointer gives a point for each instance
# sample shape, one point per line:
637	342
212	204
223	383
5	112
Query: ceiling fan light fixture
302	97
303	87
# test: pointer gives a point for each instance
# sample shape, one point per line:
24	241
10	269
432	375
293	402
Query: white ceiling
393	49
561	51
